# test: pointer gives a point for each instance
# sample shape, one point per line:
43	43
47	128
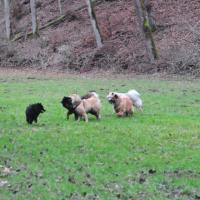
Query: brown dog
90	103
123	105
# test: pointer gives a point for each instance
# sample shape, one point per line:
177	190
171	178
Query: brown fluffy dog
123	105
90	104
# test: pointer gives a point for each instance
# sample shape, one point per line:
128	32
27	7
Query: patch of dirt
3	183
179	192
182	173
5	171
72	180
85	196
154	90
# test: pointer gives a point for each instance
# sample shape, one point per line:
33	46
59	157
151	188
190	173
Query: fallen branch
56	21
51	23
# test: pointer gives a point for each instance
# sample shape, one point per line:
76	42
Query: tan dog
123	105
90	104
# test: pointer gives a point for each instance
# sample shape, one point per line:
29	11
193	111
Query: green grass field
153	155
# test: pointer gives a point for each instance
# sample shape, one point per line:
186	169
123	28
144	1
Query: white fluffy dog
132	94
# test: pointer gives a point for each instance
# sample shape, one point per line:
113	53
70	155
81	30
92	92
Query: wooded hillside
137	36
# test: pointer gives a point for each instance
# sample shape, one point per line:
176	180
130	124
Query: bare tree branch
60	6
34	17
94	23
7	18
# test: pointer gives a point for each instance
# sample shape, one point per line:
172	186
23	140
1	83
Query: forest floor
152	155
71	45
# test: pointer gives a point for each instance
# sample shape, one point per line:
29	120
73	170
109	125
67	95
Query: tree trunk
146	29
60	6
34	17
94	23
7	18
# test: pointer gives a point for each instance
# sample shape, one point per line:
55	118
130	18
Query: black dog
67	103
33	111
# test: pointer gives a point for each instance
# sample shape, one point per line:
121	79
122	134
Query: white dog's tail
135	97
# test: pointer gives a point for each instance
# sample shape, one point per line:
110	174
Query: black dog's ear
40	105
62	100
68	99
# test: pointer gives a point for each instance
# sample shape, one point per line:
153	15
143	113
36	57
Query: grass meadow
153	155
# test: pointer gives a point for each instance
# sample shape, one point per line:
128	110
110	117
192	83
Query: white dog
132	94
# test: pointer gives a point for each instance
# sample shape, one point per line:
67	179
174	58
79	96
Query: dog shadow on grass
36	125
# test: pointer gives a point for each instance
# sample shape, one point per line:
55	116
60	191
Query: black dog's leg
96	115
76	116
68	114
29	120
